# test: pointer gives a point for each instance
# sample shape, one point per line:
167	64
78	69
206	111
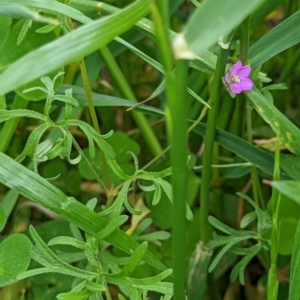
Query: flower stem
240	103
205	230
245	28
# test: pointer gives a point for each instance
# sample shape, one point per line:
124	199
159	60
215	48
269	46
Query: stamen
234	79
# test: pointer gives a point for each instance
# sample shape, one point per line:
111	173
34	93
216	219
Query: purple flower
237	78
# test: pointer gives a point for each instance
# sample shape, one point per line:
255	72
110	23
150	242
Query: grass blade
39	190
71	47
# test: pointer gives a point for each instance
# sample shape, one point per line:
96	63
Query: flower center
234	79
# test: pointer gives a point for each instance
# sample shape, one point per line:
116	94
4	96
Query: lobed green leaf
14	257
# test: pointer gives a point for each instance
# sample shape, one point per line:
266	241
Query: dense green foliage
130	166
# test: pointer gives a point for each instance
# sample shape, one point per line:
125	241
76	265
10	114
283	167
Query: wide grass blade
216	18
206	62
48	5
39	190
71	47
285	130
280	38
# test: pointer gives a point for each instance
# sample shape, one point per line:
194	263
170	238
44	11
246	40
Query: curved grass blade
18	11
280	38
285	130
206	62
71	47
39	190
193	42
48	5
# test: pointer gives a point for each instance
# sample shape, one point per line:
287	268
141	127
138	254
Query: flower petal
236	67
243	72
227	77
235	88
246	84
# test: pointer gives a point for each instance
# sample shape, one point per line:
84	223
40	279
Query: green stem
100	270
88	92
245	27
176	115
77	147
89	97
238	117
226	111
70	72
127	92
205	230
272	287
2	102
10	126
256	189
178	137
195	123
253	170
197	82
240	103
216	183
156	158
257	194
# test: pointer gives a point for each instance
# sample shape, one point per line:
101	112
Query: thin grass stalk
88	93
238	117
240	103
70	72
256	190
196	82
155	159
87	88
272	285
205	231
89	97
10	126
245	30
226	111
216	183
176	114
69	76
140	119
98	179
